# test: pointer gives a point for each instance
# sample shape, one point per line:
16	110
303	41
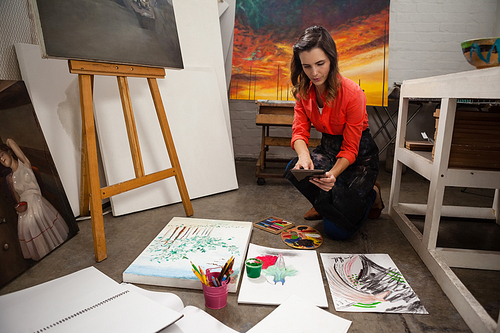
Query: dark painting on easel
137	32
36	217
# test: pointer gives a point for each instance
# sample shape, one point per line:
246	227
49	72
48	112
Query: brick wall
425	35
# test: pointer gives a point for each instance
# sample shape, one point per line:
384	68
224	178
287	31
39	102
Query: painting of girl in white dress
40	226
35	214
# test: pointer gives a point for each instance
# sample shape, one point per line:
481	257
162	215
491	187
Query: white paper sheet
193	317
85	301
298	315
196	320
171	301
300	274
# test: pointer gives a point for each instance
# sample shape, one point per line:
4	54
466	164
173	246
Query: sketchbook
84	301
284	273
315	319
369	283
166	261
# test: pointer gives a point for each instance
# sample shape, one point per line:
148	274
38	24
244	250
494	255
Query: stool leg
85	82
496	205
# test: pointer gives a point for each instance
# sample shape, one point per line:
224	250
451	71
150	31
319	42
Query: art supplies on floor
224	275
215	284
369	283
302	237
296	314
283	273
84	301
273	224
208	244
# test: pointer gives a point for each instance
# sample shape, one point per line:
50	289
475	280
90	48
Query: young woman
40	226
336	106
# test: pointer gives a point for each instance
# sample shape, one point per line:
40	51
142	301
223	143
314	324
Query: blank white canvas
227	11
194	112
306	282
201	43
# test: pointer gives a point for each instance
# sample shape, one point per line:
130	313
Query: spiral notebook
85	301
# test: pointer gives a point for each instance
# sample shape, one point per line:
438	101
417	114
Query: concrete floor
128	235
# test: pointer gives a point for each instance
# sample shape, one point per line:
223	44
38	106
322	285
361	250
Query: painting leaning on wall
266	30
35	213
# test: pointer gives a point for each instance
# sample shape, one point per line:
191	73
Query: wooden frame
476	84
91	193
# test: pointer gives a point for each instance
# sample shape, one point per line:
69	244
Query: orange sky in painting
361	59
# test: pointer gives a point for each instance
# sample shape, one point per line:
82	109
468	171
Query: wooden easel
91	192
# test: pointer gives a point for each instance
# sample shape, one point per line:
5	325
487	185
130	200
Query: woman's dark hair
4	171
8	150
315	37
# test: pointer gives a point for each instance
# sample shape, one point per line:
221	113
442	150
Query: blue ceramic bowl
482	52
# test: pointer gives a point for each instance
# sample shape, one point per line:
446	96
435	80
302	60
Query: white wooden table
474	84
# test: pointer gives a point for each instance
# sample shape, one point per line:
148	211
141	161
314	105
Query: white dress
40	228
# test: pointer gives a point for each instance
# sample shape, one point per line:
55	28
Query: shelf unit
483	84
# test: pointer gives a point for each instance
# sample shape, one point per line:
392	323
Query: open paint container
253	267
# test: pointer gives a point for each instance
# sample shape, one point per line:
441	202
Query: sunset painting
265	32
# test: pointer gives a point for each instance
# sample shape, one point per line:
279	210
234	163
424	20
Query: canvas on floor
209	244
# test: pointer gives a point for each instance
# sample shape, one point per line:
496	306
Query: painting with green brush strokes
206	243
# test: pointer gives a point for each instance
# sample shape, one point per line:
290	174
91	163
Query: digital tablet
308	173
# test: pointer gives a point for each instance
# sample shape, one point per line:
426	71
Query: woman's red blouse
345	116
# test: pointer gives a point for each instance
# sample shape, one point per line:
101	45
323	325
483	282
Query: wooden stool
91	191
